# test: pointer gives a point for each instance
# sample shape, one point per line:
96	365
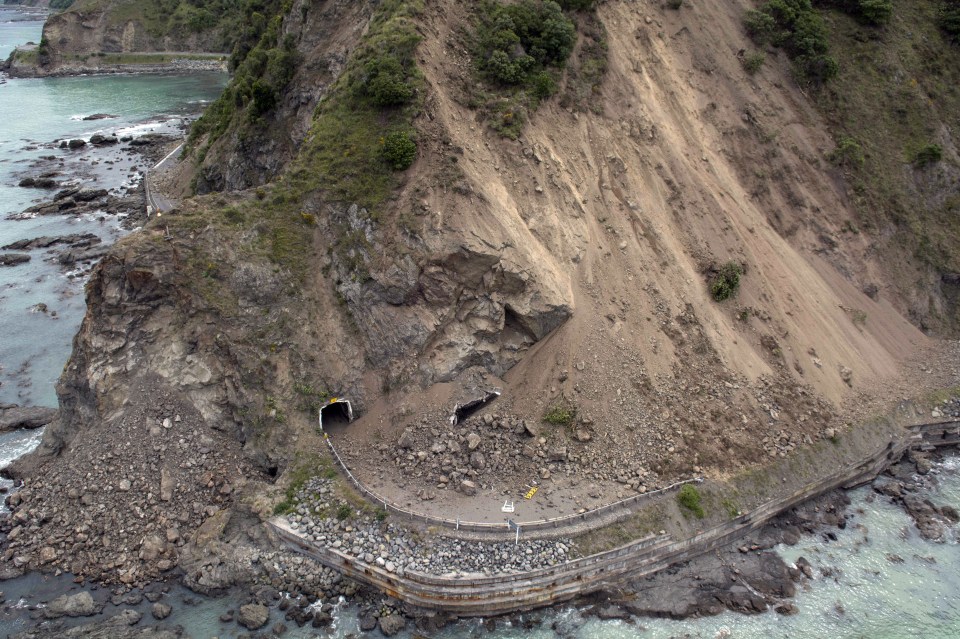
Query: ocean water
34	113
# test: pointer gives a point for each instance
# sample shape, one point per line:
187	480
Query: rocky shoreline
184	65
52	173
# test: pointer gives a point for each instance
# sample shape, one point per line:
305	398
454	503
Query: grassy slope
898	88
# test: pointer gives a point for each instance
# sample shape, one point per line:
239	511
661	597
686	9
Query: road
160	203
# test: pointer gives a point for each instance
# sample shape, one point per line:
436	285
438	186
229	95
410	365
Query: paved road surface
160	203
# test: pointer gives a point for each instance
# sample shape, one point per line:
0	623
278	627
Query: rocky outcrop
120	626
13	417
91	27
450	307
78	605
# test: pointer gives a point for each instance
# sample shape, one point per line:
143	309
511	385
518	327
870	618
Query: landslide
570	267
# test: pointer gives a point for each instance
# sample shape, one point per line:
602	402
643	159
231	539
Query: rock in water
392	624
160	610
78	605
13	259
13	417
253	616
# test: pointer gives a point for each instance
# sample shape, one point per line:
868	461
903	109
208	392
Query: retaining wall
487	595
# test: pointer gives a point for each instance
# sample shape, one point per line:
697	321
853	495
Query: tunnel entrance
463	411
335	413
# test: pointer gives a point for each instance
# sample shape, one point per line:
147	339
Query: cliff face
254	153
94	26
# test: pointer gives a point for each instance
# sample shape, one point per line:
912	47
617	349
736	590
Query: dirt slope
691	163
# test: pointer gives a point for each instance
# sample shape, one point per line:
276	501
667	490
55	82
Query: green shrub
387	83
233	215
726	281
689	499
847	154
674	4
872	12
948	19
875	12
344	511
760	26
399	150
797	28
560	415
543	85
263	96
928	154
752	62
517	40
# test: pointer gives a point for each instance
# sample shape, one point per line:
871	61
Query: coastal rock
74	239
101	140
120	626
88	195
38	183
78	605
392	624
13	259
13	417
253	616
160	611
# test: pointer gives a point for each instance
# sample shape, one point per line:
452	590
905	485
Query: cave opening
463	411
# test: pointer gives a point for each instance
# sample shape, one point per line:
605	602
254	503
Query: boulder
160	610
367	622
151	547
76	143
473	440
101	140
78	605
477	460
392	624
253	616
406	440
13	259
468	488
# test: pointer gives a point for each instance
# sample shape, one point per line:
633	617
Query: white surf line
169	155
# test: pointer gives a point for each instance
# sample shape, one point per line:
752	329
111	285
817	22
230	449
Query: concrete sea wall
487	595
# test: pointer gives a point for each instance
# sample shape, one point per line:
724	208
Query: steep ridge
570	268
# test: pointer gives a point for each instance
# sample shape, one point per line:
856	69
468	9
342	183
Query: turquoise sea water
33	114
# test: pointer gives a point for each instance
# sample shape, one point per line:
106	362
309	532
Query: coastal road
159	203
